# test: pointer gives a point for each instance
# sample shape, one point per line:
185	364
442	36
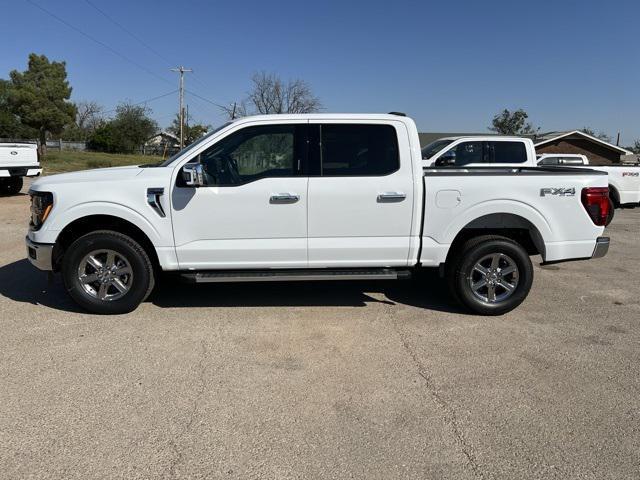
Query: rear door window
358	150
505	152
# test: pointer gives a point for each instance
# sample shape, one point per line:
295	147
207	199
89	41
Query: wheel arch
91	223
509	225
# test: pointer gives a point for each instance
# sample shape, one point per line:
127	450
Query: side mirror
193	175
447	159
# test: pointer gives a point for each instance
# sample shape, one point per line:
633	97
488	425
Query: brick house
597	151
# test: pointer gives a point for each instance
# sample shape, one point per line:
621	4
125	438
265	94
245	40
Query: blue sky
450	65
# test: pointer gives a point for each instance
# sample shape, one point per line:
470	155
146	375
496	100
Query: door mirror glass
447	159
193	175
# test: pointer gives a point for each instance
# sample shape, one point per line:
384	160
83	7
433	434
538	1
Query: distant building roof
549	137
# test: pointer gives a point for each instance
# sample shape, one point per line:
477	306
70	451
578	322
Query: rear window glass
505	152
359	150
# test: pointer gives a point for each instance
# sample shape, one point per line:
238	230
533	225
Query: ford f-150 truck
17	160
624	180
312	197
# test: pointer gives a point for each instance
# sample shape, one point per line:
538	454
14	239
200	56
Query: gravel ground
323	380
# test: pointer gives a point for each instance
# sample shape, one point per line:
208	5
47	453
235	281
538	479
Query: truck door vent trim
153	199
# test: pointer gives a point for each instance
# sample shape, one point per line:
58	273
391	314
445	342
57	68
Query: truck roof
326	116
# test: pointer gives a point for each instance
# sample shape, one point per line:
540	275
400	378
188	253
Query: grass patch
71	160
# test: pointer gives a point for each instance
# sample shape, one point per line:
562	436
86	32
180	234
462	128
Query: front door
252	213
361	197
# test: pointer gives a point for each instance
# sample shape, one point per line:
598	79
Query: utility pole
181	70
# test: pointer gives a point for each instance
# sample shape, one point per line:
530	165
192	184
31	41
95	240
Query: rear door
360	194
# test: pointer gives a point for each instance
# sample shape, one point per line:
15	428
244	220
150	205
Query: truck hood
112	174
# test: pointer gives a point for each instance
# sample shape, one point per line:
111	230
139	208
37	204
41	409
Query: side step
295	275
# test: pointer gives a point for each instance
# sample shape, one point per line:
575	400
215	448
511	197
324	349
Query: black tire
11	185
612	213
462	272
614	196
129	252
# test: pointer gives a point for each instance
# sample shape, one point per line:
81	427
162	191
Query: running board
295	275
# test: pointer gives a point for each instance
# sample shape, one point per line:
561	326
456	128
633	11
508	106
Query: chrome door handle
390	197
284	198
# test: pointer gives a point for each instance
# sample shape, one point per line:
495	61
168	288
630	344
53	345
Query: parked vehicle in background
312	197
480	152
624	180
17	160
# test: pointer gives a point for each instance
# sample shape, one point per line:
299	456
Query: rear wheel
490	275
107	272
10	185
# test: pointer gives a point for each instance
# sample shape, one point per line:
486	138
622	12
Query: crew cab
312	197
624	180
17	160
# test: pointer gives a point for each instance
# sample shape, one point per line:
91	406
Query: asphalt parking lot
323	380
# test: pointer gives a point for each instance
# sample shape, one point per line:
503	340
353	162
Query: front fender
58	220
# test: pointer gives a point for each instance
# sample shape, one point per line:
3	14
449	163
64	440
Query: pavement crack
174	443
448	412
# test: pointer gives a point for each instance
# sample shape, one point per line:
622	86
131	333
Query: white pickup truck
312	197
17	160
624	180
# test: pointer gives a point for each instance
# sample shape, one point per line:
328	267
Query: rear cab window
358	150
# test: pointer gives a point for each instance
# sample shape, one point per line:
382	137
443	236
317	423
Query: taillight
596	203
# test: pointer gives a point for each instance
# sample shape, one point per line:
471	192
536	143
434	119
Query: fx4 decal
630	174
562	192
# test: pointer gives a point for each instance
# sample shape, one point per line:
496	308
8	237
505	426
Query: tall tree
269	94
89	116
635	148
40	97
128	130
512	123
191	131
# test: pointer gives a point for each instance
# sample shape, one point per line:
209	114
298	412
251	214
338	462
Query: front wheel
490	275
11	185
107	272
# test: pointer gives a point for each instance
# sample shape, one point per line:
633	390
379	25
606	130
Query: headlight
41	205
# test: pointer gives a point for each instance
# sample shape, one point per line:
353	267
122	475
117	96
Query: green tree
191	132
126	132
512	123
635	148
39	97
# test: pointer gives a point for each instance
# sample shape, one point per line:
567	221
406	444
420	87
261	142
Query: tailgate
18	155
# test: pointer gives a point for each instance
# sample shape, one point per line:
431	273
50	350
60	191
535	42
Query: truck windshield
170	160
434	147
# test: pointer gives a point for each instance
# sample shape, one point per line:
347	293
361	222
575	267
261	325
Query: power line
148	100
99	42
204	99
142	42
129	32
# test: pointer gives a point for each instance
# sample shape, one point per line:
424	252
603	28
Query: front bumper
602	247
40	254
